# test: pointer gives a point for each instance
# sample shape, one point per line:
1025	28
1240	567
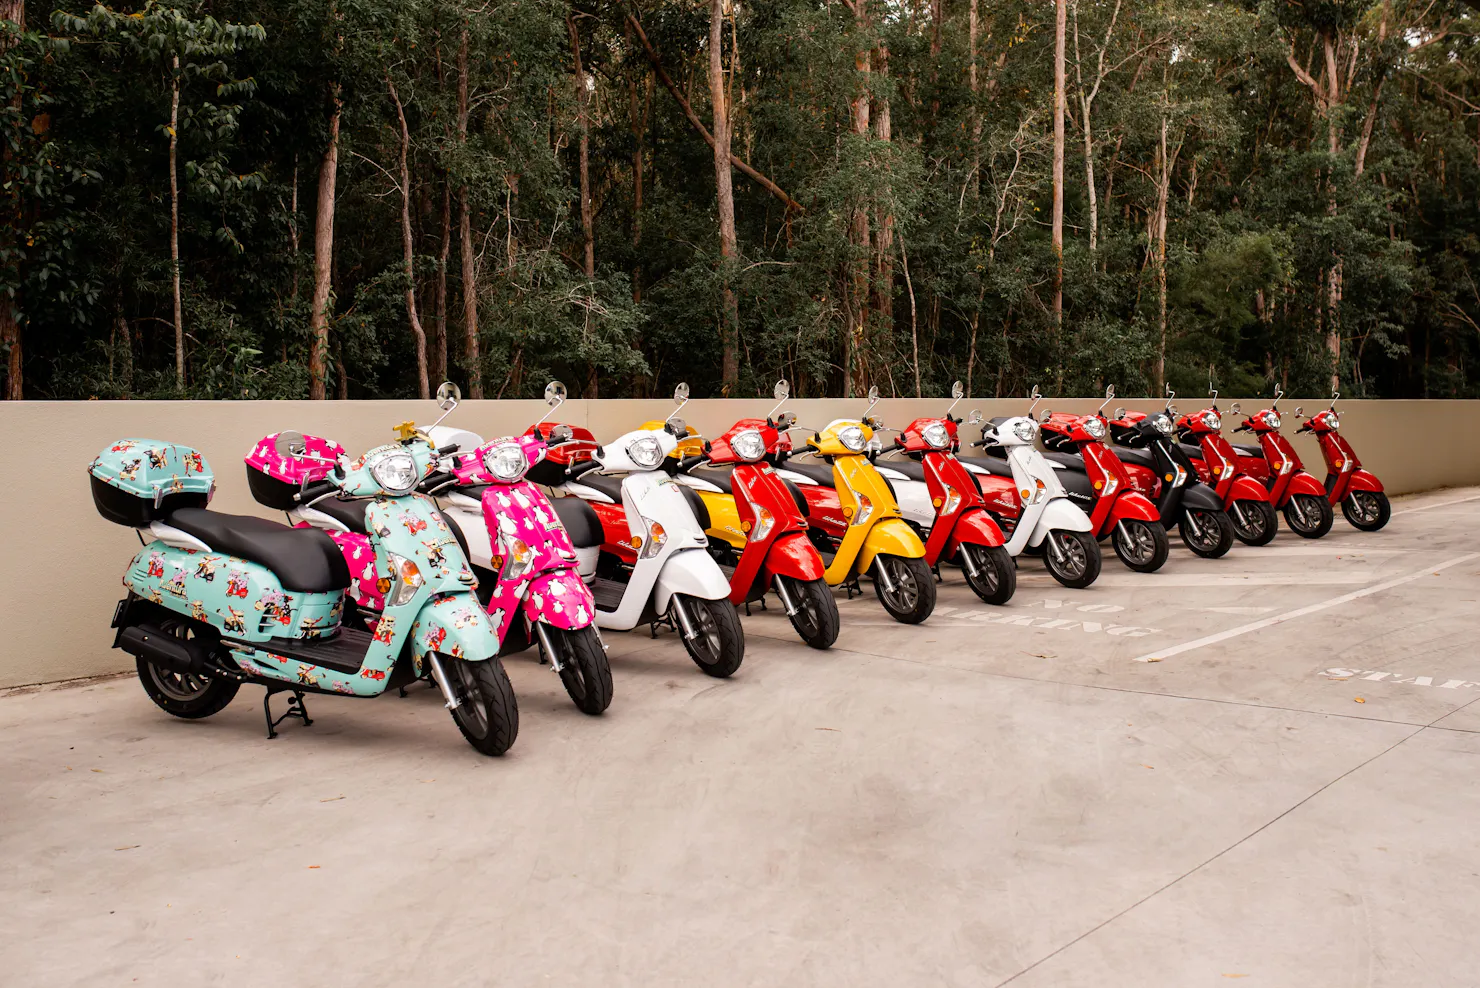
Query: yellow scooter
851	505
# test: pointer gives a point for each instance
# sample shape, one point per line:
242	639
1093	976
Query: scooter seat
580	521
1244	449
721	478
1072	461
304	559
992	465
822	473
913	469
610	486
1140	457
1193	452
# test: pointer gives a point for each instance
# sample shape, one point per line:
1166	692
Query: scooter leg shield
560	600
692	572
891	536
454	625
1060	514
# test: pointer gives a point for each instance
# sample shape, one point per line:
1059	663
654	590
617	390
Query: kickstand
747	608
295	709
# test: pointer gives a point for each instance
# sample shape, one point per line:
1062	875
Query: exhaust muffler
152	644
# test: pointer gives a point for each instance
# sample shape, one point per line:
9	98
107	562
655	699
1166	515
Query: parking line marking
1438	504
1243	629
1176	580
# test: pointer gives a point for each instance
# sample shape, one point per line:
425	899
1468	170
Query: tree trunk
10	329
408	254
1159	254
637	113
884	217
439	328
729	330
323	258
1060	34
175	225
588	219
471	355
854	362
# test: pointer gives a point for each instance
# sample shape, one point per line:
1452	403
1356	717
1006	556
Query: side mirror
1045	416
290	444
554	393
448	395
975	417
1034	393
1110	392
782	391
1298	409
786	420
1120	413
1170	393
560	432
681	393
676	427
873	394
873	421
958	390
1234	408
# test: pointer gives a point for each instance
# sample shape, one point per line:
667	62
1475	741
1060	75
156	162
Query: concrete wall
64	562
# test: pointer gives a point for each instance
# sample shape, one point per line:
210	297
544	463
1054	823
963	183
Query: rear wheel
1254	522
1207	533
995	579
1309	516
1072	558
188	695
718	645
584	668
1367	510
909	595
816	619
1141	545
487	713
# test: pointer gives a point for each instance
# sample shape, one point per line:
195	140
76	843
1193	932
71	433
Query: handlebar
577	469
437	482
687	463
447	450
313	492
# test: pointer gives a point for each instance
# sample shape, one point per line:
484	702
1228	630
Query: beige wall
64	562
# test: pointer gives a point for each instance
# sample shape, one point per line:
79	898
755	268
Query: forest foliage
356	198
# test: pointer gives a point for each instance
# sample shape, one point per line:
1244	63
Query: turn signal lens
405	579
953	501
764	522
865	510
657	538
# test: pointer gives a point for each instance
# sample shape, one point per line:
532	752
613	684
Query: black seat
1194	452
304	559
822	473
912	469
610	486
994	466
580	521
1073	461
349	513
1245	449
1140	457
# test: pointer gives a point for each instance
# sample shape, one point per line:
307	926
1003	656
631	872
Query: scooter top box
139	481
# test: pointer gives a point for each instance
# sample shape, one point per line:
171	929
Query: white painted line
1244	629
1143	581
1438	504
1333	548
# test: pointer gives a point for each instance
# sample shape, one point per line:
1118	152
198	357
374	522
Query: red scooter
1360	494
1117	510
1274	462
960	530
1244	498
774	551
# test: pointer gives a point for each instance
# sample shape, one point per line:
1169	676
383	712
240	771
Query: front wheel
717	645
584	669
1207	533
1254	522
1073	558
187	695
1367	510
905	586
1141	545
816	618
1309	516
990	572
486	712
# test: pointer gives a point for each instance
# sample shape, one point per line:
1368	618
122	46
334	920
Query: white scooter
674	578
1048	519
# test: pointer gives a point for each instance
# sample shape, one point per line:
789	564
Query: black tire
1308	516
186	695
913	597
996	574
1217	532
1259	522
1367	510
1081	564
1141	545
718	648
584	669
816	619
488	714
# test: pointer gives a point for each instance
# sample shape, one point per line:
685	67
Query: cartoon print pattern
265	458
146	467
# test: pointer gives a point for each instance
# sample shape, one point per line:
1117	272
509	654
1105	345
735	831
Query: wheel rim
1365	506
807	619
1140	546
1208	526
180	686
1248	521
570	670
706	642
906	593
470	709
1075	561
986	573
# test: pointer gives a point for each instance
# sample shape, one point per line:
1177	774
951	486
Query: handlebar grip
576	469
687	463
447	450
313	492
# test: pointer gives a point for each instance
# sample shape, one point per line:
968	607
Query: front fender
1361	480
1200	497
1246	488
560	599
1061	514
794	556
975	527
454	625
892	537
1304	483
1133	506
689	571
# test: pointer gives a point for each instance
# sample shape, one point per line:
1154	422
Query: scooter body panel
1057	514
968	526
793	555
1127	505
547	584
1241	488
758	489
862	492
687	571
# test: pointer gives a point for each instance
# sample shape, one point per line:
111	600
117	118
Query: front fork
785	595
685	622
443	683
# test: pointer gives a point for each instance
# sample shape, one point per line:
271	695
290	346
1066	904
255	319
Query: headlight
851	436
405	579
1094	427
1163	423
1272	419
506	462
1212	421
937	435
1333	420
395	471
749	445
518	558
1025	429
646	452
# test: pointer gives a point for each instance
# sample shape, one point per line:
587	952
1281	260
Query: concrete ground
1260	768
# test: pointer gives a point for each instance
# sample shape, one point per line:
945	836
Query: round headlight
395	471
1163	423
749	445
937	435
1272	417
851	436
1026	429
1333	420
1094	427
1212	421
646	452
506	462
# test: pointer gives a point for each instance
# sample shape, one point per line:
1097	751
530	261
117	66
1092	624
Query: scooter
938	496
1160	468
1037	507
857	521
658	569
1301	497
1360	494
1117	510
753	512
218	600
1217	464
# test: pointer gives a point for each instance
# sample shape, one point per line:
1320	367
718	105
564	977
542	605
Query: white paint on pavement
1438	504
